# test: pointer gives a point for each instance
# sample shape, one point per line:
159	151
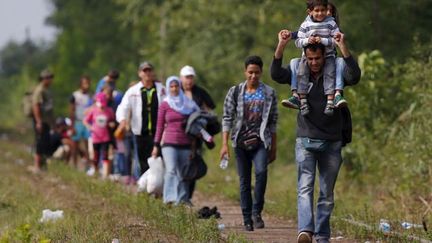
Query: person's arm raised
340	42
277	72
352	72
284	37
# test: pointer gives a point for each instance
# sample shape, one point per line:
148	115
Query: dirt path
276	230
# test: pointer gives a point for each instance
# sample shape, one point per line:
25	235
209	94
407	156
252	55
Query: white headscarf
180	103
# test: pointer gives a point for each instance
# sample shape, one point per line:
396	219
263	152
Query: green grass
94	210
366	203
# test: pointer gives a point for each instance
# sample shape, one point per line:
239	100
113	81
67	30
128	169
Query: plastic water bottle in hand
224	162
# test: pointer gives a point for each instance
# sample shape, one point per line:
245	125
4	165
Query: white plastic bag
155	178
152	180
142	182
48	215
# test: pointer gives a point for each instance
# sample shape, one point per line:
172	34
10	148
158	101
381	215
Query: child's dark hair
311	4
335	13
84	77
114	74
256	60
315	47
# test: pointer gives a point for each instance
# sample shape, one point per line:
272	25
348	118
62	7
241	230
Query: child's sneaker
91	171
304	109
293	102
340	101
329	109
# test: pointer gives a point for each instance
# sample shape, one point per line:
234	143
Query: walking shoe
258	221
293	102
340	101
322	240
329	109
304	109
91	171
304	237
248	227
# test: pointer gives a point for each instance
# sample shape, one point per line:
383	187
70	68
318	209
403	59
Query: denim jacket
233	115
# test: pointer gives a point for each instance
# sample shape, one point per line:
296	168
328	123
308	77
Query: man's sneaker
293	102
322	240
340	101
304	237
329	109
304	109
248	227
258	221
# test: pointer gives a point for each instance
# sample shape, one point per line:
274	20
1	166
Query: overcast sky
17	15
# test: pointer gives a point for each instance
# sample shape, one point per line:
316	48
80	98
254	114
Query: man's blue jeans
245	159
328	164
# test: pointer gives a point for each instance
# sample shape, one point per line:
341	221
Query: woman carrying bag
177	145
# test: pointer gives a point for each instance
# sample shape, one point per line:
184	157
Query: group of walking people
156	115
149	120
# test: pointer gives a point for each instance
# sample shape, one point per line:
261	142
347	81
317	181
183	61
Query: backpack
26	103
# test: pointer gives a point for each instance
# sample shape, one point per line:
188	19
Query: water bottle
224	163
221	226
384	226
407	225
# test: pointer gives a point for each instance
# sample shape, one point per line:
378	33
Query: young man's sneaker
340	101
304	237
293	102
258	221
329	109
249	227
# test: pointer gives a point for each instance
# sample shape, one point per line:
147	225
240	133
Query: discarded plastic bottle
221	226
224	163
407	225
384	226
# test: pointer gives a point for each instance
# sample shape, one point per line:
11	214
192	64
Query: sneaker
304	237
323	240
329	109
293	102
258	221
340	101
248	227
304	109
91	171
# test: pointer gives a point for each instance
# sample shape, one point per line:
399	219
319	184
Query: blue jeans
340	66
259	158
176	189
328	163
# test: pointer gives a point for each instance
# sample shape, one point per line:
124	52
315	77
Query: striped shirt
325	29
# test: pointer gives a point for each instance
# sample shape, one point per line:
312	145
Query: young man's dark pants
144	147
259	158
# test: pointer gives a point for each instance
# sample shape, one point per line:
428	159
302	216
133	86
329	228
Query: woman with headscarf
177	145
